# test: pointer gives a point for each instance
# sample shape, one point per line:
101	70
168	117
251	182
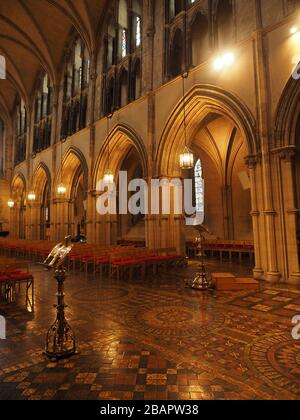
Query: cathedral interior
101	100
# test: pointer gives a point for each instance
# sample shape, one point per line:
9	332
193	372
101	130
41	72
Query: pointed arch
18	186
120	140
287	116
40	179
199	102
73	161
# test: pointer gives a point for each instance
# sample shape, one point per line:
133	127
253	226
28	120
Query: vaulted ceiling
33	36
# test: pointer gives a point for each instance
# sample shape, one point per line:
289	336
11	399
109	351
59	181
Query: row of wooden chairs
13	275
112	261
223	248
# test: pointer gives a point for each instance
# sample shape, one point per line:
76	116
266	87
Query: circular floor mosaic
177	320
95	294
277	360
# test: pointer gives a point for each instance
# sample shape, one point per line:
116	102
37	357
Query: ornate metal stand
200	282
60	341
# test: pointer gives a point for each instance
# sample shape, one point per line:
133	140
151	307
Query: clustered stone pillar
252	162
289	214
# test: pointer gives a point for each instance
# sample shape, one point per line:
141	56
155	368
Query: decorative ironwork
60	340
200	281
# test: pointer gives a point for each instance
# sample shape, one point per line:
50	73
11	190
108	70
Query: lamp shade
108	177
186	159
61	189
11	203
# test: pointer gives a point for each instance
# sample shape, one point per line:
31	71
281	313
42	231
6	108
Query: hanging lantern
31	196
108	177
61	189
11	203
186	159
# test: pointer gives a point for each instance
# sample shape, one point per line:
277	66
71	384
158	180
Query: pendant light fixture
108	176
187	156
31	195
61	188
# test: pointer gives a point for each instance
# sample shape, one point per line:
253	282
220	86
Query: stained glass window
124	43
138	38
199	187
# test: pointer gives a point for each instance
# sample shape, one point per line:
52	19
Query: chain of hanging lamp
186	157
61	188
108	174
31	194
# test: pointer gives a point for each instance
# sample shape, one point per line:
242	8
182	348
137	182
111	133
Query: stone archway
18	212
74	175
285	160
39	211
123	144
221	131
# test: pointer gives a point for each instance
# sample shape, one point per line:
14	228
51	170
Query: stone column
35	220
251	162
227	211
290	214
91	218
263	99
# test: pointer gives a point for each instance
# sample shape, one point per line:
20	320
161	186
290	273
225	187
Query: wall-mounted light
225	60
108	177
11	203
294	30
31	196
61	189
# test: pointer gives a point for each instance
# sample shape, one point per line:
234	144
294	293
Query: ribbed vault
33	36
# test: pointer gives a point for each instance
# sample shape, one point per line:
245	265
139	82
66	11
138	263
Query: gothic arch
73	161
287	115
199	102
120	140
40	179
18	185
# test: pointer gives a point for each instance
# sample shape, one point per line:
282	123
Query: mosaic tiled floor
155	340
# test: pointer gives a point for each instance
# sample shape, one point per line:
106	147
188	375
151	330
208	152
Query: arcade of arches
125	86
227	128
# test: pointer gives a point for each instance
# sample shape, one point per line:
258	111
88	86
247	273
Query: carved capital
251	161
286	153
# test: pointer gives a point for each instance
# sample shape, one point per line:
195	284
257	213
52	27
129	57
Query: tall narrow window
75	90
123	28
138	34
122	50
199	40
176	58
43	115
137	23
136	85
224	23
124	43
199	187
21	132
